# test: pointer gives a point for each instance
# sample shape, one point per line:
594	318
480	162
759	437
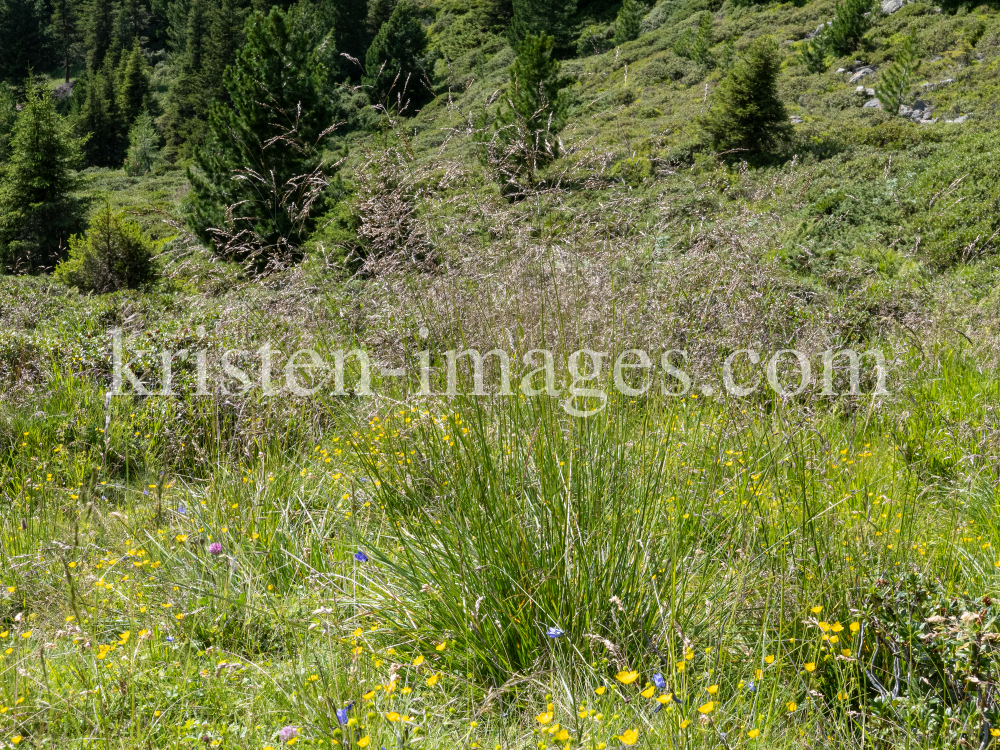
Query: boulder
872	104
891	6
865	71
963	118
63	90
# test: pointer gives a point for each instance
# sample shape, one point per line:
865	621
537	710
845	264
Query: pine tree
8	115
747	113
701	48
188	99
24	41
143	145
629	21
65	32
392	66
225	39
114	254
537	17
895	81
849	25
379	12
814	54
131	22
37	213
99	121
134	93
98	25
270	134
537	104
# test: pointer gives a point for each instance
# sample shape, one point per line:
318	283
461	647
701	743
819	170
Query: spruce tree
65	32
852	20
393	68
746	113
8	115
537	105
895	81
37	212
379	12
225	39
99	120
98	24
24	41
188	98
629	21
814	53
131	22
268	135
701	47
134	93
541	17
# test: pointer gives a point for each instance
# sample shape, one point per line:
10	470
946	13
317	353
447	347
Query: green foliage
131	23
262	145
746	113
37	213
24	41
143	145
114	254
814	53
379	12
98	26
8	115
134	94
99	119
594	40
541	18
895	80
65	33
393	66
629	21
534	113
851	20
696	46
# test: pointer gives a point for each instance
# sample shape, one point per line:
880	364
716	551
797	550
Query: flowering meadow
491	573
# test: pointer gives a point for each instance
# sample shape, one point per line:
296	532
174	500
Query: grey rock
920	105
795	120
963	118
928	122
870	92
866	71
63	90
841	70
872	104
891	6
905	111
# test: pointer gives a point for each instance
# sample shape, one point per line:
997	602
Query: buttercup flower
629	736
627	678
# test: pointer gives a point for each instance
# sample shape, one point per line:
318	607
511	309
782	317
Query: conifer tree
65	32
8	115
37	213
24	42
850	22
379	12
814	53
99	120
269	134
392	66
537	104
134	94
225	39
895	81
98	25
628	23
541	17
746	113
701	47
131	22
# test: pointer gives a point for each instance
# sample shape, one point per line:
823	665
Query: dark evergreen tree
8	115
379	12
814	53
24	42
629	20
269	134
65	33
852	20
537	102
702	45
541	17
37	212
131	22
134	93
746	113
393	66
98	24
99	120
225	39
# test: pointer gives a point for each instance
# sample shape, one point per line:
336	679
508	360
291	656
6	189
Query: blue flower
555	633
360	556
181	509
170	639
751	687
659	681
342	713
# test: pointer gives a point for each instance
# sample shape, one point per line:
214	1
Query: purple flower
659	681
287	733
360	556
555	633
181	509
215	548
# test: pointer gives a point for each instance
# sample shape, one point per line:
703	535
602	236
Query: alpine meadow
499	374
